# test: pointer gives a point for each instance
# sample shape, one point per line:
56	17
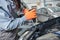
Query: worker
8	23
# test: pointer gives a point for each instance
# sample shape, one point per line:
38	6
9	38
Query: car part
43	28
49	36
43	15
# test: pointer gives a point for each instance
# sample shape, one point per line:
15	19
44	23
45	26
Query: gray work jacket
7	23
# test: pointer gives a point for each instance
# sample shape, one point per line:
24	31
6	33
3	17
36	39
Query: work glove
30	14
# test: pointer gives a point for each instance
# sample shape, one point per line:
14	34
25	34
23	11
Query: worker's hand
30	14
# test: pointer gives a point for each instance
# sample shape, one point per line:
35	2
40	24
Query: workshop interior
31	20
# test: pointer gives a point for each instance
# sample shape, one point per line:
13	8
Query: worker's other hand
30	14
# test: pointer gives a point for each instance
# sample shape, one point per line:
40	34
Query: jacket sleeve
7	23
14	24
